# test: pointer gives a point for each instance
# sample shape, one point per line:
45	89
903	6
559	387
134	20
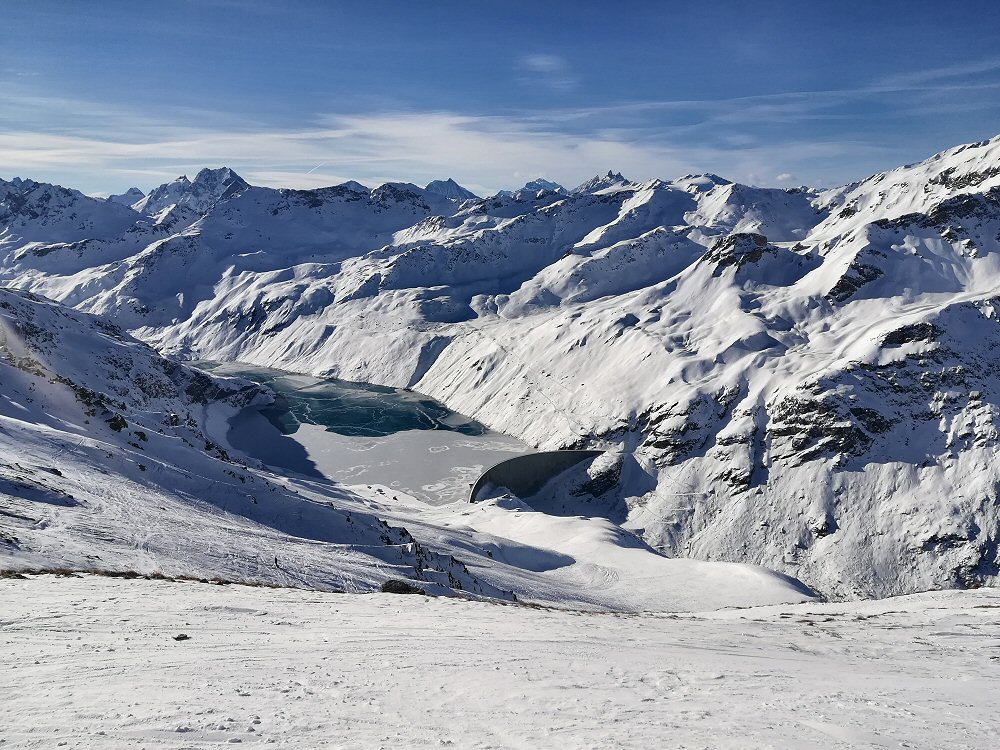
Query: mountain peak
543	184
701	183
211	178
450	189
130	197
354	186
208	187
600	182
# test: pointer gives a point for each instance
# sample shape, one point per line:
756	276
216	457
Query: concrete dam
525	475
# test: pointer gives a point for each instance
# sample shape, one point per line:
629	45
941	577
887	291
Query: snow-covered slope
109	461
95	662
799	379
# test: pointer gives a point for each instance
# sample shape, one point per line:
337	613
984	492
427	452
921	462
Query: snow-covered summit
546	185
130	197
700	183
208	187
601	182
354	186
450	189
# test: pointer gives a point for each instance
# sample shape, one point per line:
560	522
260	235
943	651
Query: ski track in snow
92	662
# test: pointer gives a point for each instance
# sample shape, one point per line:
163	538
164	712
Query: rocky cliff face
800	379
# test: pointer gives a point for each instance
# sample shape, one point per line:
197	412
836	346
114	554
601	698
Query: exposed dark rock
398	586
736	250
857	275
871	420
911	333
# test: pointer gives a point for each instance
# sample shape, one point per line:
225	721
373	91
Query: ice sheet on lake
438	462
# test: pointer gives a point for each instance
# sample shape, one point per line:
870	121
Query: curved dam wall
525	475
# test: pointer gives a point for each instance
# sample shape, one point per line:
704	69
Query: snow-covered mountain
800	379
600	182
38	213
533	188
450	189
547	185
129	197
207	188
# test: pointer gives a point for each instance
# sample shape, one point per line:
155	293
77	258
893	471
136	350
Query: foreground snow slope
801	379
93	662
114	458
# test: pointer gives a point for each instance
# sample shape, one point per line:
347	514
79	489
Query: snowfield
93	662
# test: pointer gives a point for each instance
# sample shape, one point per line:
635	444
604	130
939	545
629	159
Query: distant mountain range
803	379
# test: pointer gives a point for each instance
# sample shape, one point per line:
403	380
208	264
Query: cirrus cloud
547	71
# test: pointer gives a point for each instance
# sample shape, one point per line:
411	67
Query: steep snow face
450	189
803	380
915	188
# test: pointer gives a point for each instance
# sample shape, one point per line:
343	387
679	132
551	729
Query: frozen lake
357	433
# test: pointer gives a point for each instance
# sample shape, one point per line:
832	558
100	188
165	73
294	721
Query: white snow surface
798	379
93	662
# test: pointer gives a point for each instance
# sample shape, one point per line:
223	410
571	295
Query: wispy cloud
101	148
930	75
547	71
485	153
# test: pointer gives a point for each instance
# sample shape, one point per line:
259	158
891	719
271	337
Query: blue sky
302	94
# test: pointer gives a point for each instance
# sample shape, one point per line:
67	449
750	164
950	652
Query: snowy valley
225	407
798	379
